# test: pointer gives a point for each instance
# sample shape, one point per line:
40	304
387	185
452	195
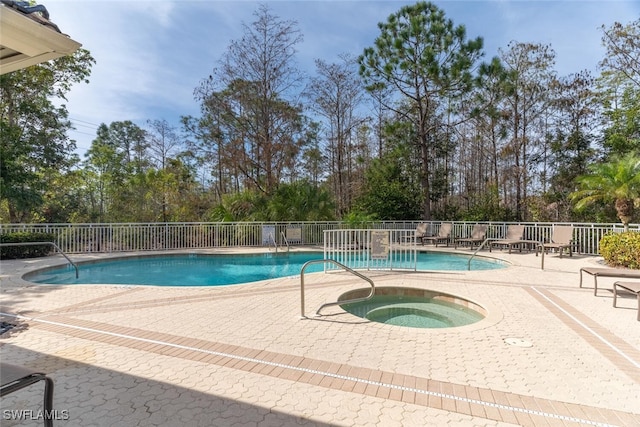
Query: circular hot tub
413	307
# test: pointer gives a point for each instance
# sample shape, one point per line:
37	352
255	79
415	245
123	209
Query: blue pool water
216	270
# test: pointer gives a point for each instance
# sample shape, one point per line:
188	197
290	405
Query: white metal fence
92	238
371	249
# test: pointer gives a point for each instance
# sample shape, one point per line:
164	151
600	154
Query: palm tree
616	181
300	201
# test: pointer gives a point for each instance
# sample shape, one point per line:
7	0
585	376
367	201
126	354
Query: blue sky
150	55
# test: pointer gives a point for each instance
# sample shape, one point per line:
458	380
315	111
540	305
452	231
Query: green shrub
621	249
25	251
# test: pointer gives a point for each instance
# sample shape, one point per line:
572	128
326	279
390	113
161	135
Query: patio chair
620	273
477	236
14	378
444	235
420	232
515	234
633	287
561	239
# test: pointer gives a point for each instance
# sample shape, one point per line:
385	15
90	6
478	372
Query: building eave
25	42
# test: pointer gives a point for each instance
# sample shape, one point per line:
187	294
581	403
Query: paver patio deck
241	355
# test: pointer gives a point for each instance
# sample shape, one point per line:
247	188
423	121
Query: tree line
417	126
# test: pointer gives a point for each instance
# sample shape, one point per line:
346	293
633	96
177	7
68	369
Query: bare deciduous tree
335	94
253	94
530	74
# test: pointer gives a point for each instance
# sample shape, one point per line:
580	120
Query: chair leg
48	401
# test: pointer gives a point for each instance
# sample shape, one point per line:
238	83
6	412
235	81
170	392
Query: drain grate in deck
518	342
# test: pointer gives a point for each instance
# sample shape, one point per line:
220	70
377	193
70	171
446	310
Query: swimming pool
218	270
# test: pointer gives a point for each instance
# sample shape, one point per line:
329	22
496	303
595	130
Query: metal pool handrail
324	261
476	251
273	239
285	240
488	239
44	243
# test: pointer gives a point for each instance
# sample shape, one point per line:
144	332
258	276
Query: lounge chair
444	235
421	231
561	239
514	236
14	378
622	273
477	236
633	287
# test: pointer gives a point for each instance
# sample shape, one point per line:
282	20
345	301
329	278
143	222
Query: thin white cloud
129	70
572	28
152	54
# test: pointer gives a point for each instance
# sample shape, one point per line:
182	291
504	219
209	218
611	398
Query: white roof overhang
25	42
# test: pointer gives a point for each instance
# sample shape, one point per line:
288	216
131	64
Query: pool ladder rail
285	240
75	266
275	244
328	304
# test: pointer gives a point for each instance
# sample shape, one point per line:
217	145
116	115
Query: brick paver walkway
241	355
